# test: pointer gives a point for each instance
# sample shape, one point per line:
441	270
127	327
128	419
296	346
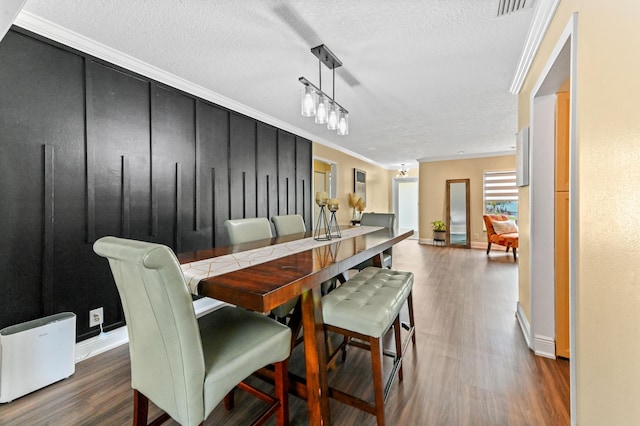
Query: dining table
263	274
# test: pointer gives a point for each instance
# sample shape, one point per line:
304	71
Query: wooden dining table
264	286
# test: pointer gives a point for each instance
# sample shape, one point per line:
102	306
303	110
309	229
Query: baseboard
430	241
478	245
114	338
524	324
545	346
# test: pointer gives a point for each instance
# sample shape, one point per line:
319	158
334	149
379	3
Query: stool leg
282	392
412	321
378	385
398	338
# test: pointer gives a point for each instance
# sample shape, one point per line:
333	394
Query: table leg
315	358
378	260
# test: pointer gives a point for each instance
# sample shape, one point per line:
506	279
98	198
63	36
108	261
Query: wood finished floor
471	365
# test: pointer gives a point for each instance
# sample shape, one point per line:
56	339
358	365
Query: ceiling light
316	103
402	172
308	102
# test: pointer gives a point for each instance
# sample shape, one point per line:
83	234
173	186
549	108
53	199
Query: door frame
562	63
396	194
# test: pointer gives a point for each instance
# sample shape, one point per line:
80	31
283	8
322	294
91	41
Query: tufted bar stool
366	307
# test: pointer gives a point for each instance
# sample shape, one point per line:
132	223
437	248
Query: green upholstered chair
246	230
386	220
289	224
186	366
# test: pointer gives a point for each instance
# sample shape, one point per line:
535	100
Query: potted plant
439	230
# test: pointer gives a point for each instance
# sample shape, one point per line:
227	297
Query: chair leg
514	253
140	408
282	392
378	385
507	250
229	400
488	248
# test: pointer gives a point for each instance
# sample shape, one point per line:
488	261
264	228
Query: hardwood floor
470	366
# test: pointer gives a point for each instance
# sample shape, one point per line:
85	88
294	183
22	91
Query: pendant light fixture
316	103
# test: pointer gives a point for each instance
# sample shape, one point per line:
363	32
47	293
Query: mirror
458	227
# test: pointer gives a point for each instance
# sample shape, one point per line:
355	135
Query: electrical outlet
96	317
475	236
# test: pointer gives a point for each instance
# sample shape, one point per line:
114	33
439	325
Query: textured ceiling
421	79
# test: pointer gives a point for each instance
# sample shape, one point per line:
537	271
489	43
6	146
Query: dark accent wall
89	149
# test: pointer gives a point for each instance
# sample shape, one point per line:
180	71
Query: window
501	193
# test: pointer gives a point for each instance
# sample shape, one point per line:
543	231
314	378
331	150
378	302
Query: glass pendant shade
343	124
308	102
321	110
332	120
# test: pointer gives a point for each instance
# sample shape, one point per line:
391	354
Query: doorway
541	330
405	203
324	179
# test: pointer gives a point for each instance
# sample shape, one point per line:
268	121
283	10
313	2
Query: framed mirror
458	226
360	183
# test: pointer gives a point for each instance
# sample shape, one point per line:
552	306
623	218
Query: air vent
506	7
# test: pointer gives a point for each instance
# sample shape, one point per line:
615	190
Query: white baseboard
429	241
545	346
524	324
114	338
479	245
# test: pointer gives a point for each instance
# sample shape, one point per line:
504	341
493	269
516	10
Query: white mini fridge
35	354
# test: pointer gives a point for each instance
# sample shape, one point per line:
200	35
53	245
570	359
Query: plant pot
439	235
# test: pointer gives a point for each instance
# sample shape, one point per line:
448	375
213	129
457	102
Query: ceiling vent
506	7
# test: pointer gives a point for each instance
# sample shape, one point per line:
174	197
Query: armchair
506	239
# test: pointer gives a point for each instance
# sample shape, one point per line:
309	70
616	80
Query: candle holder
334	229
323	223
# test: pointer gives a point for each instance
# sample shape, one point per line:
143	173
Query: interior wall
432	190
88	149
378	182
607	128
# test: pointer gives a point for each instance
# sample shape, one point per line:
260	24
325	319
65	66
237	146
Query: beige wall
432	187
608	166
378	181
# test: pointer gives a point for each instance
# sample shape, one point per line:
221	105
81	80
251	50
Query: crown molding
542	16
62	35
466	157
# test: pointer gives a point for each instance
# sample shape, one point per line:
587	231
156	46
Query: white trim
542	16
426	241
62	35
544	346
524	324
476	245
466	156
96	345
574	247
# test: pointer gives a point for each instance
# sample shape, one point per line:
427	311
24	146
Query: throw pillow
504	226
